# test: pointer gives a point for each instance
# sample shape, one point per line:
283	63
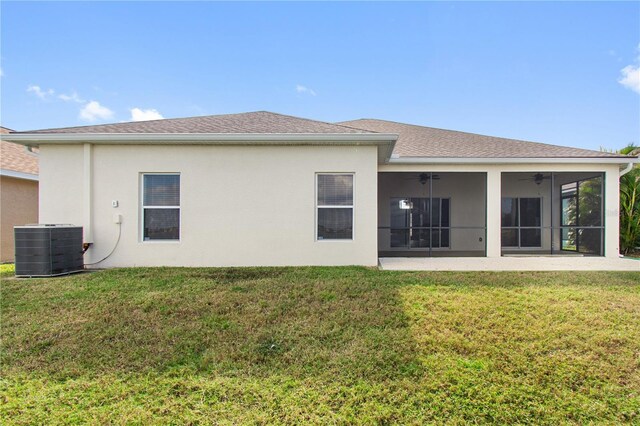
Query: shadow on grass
344	323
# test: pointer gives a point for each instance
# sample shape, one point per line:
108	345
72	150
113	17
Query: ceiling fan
537	178
423	178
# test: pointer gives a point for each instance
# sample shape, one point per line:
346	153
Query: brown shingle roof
15	157
420	141
249	122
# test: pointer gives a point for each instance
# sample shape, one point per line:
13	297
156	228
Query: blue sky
549	72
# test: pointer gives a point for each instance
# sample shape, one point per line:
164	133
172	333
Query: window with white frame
160	206
334	206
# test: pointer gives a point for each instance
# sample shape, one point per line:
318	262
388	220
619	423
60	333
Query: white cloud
73	97
93	111
302	89
42	94
630	75
138	114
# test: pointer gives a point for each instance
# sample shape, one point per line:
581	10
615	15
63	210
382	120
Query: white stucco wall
240	205
255	205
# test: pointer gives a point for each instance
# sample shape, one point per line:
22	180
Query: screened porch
552	213
428	214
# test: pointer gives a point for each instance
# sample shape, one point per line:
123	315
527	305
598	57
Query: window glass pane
444	220
420	238
530	212
400	238
335	224
435	213
569	211
335	190
509	238
569	236
569	189
444	238
161	224
399	212
530	238
420	212
590	202
509	212
589	241
435	238
161	190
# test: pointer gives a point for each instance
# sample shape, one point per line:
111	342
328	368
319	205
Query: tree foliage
630	205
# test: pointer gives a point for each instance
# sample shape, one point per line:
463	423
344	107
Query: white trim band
511	160
37	138
18	175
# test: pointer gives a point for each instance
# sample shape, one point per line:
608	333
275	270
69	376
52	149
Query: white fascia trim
18	175
384	141
518	160
50	138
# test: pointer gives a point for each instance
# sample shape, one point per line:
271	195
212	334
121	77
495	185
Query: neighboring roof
262	122
420	141
15	158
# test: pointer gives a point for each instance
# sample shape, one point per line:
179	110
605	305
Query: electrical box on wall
114	203
117	218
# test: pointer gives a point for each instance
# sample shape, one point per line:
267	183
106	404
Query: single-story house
262	188
18	192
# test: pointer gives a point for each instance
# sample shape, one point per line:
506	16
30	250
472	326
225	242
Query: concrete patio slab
537	263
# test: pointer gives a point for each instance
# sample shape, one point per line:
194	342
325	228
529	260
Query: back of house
263	189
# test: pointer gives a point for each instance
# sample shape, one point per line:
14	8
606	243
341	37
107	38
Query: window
160	207
415	225
334	206
521	222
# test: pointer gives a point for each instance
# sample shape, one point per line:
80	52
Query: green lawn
320	345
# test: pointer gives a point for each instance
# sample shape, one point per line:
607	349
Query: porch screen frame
577	226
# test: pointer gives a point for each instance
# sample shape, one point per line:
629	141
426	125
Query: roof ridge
483	135
316	121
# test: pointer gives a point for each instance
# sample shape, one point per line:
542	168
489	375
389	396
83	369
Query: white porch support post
494	196
612	213
87	194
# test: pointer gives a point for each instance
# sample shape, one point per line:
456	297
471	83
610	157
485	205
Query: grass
320	345
7	270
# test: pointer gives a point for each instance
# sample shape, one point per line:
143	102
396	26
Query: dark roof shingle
249	122
420	141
